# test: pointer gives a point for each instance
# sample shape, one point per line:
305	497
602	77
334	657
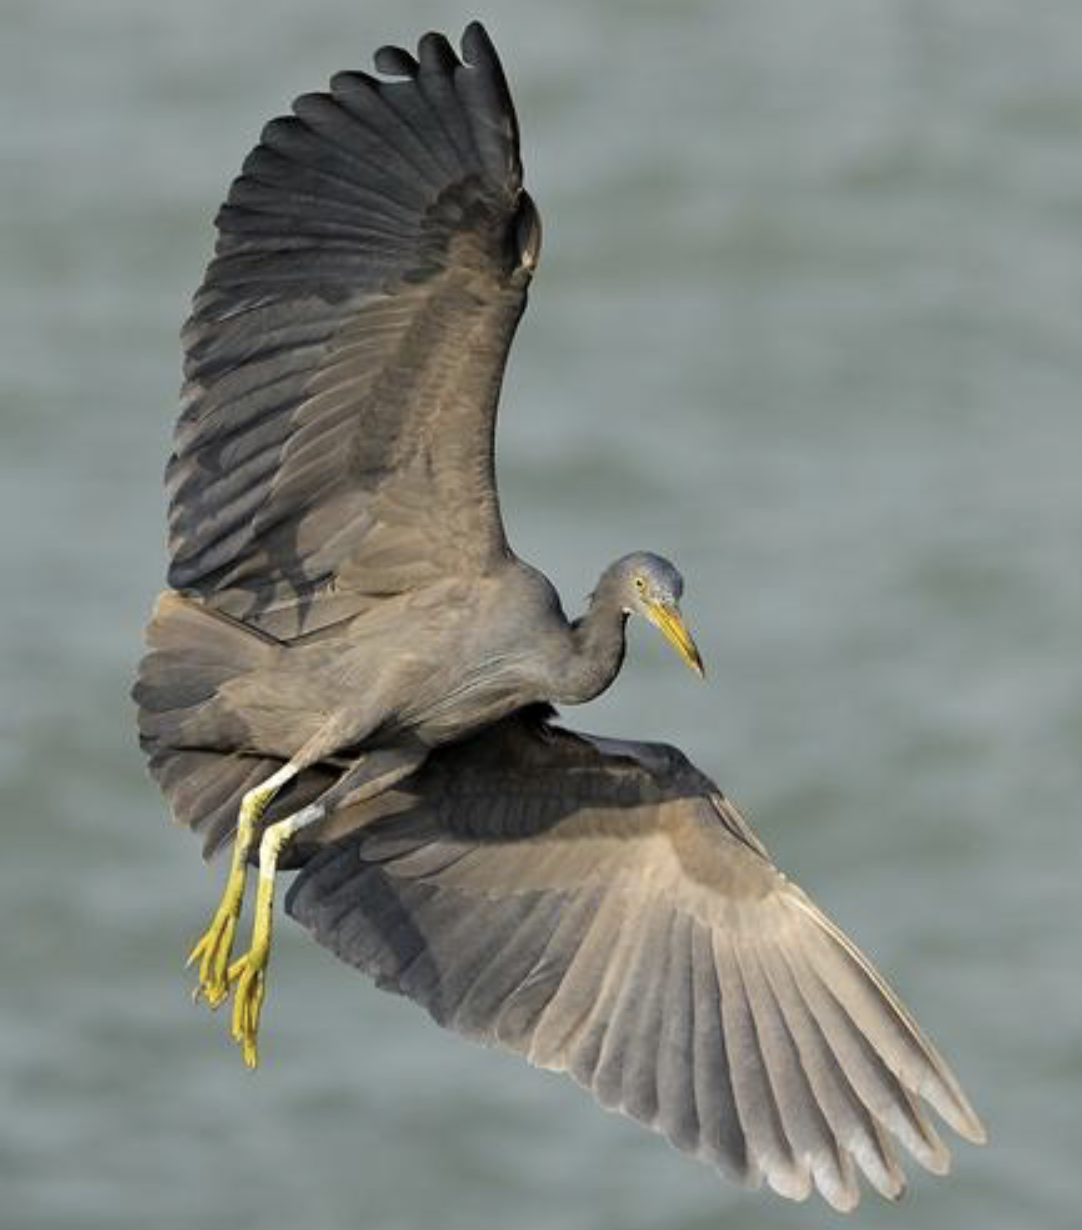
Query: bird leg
248	974
369	776
215	946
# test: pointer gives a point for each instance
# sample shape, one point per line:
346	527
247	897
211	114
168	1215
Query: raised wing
345	352
600	908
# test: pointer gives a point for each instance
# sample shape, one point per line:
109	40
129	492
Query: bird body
352	675
433	665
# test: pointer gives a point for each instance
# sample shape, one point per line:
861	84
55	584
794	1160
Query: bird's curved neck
597	649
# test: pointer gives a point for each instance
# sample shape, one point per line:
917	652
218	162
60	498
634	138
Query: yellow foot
213	951
215	947
248	976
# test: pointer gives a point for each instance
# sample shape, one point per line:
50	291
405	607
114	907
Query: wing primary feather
492	96
852	1123
580	948
366	99
870	1074
617	935
313	138
395	62
321	189
639	1033
802	1118
625	1038
755	1099
414	113
722	1139
436	55
678	1111
528	1021
437	82
333	127
878	1011
402	174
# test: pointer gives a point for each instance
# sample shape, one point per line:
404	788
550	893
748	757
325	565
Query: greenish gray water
820	266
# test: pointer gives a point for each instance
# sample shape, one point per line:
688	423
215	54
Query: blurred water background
809	319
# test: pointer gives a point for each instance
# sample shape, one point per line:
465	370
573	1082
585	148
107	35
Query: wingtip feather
395	62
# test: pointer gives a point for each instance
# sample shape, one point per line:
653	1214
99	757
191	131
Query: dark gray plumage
345	352
600	908
352	670
332	484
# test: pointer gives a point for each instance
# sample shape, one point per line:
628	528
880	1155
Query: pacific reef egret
352	675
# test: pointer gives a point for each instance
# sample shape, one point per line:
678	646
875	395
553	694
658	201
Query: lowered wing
601	909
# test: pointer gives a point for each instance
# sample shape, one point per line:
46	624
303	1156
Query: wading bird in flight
352	675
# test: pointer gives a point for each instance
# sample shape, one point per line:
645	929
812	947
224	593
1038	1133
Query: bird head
651	586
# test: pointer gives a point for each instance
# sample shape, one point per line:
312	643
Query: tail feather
192	651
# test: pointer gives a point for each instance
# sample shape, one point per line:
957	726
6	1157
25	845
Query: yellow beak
668	618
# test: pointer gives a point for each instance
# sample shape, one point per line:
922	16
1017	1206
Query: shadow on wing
598	907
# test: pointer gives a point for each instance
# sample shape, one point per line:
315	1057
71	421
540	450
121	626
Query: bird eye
640	584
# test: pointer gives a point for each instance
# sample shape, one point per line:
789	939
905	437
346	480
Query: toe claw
196	953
